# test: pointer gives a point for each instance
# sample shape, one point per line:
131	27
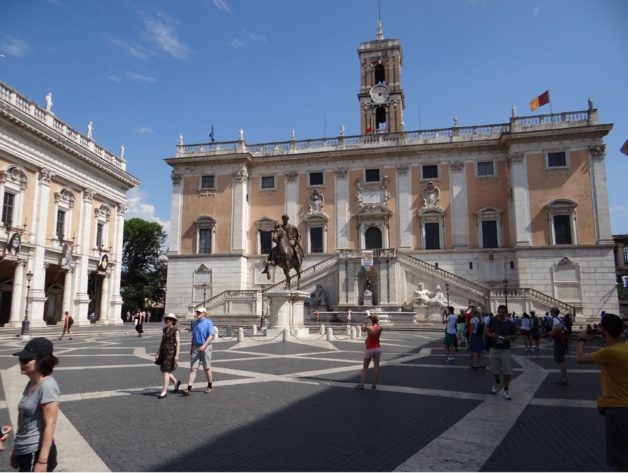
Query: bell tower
381	96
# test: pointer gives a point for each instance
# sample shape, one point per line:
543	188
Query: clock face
380	93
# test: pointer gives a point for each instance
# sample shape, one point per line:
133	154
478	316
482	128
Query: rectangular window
7	208
429	172
316	240
371	175
268	182
207	182
557	160
99	229
60	224
625	254
489	234
562	230
485	168
266	242
432	236
205	240
316	179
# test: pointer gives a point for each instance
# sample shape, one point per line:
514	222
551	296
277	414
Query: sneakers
359	386
496	388
534	349
373	387
526	349
507	395
187	392
450	359
208	390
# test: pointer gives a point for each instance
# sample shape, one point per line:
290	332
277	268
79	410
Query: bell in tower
381	96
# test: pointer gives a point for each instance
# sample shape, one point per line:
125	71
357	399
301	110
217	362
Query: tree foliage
144	266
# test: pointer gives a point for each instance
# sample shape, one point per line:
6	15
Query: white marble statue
316	200
439	298
180	142
421	295
122	152
90	129
49	101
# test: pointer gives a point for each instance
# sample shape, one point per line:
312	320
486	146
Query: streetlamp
447	289
506	293
25	334
204	291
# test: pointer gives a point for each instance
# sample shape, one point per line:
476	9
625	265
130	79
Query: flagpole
549	97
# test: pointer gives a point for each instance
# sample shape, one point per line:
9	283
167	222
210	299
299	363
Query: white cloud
138	208
139	77
11	46
536	12
114	78
160	33
222	5
144	131
247	38
238	43
132	49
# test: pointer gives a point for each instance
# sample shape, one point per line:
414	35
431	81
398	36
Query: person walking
168	354
139	322
461	328
349	316
535	330
476	344
34	448
559	334
613	403
201	350
449	318
501	331
372	350
68	321
526	328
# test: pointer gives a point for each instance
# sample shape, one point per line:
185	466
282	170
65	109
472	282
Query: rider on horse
292	233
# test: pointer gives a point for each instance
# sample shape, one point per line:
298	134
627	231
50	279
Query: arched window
13	182
373	238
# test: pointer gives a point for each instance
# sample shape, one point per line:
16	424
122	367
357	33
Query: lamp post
25	334
447	289
506	293
204	291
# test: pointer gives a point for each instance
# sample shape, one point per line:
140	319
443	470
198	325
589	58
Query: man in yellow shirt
613	403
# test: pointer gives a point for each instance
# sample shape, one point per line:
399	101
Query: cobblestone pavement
292	406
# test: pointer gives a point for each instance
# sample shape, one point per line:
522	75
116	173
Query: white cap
200	309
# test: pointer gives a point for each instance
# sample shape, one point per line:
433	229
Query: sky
146	71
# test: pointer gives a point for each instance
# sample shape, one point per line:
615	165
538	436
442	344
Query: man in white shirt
449	318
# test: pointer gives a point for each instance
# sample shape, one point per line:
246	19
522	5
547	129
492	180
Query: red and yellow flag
539	101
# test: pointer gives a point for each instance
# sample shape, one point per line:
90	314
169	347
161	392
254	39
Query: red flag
539	101
370	127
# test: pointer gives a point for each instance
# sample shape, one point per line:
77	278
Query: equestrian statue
287	252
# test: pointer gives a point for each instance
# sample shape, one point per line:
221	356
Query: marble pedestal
368	298
286	311
428	313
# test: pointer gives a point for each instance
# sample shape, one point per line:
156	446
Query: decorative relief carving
122	209
176	178
341	173
316	201
240	176
88	195
104	211
431	195
456	166
402	169
598	151
291	176
45	175
372	198
517	158
65	195
15	175
207	194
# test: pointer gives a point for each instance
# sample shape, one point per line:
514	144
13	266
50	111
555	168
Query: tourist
476	345
461	327
68	321
613	403
559	334
373	350
526	328
34	448
501	331
449	318
201	350
349	316
139	322
535	330
168	354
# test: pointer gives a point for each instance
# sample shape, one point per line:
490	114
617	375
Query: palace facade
63	206
514	211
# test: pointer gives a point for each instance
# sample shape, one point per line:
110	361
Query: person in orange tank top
372	350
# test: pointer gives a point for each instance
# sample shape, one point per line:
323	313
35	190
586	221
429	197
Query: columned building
515	211
63	206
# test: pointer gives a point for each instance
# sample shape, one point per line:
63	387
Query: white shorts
204	357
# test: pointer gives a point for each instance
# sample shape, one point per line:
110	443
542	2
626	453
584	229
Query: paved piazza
292	406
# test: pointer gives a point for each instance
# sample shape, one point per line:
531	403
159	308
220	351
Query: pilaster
239	212
520	199
341	209
600	194
405	235
81	297
459	207
176	214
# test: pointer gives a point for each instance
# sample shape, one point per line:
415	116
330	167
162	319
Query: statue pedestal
368	298
286	311
428	313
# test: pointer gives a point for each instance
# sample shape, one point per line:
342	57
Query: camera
3	431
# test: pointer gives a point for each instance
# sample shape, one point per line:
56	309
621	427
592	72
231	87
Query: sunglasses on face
26	360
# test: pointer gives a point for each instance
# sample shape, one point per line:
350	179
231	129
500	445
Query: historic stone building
63	205
515	211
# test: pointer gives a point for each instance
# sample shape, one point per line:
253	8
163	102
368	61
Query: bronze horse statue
286	256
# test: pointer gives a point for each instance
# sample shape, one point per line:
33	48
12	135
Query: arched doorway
373	238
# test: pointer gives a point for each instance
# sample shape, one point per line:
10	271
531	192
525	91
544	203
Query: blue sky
145	71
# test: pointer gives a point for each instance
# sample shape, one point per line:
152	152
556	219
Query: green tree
144	266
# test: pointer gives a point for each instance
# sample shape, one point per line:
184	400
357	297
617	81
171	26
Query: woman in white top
525	330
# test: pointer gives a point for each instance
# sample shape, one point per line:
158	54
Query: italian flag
370	127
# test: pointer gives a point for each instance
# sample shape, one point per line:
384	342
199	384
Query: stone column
405	227
342	213
105	315
239	212
17	297
115	307
81	297
176	214
600	194
67	292
520	200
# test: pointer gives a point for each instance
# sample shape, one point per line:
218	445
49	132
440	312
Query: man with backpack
501	331
560	336
535	330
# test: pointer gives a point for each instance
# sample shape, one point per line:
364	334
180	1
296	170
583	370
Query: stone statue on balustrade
317	298
49	102
421	295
